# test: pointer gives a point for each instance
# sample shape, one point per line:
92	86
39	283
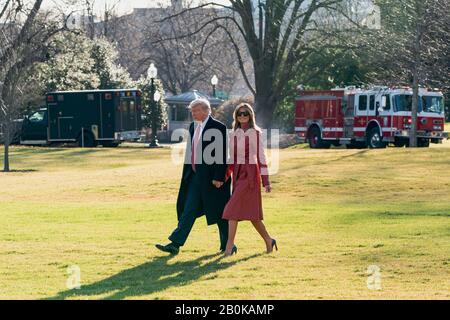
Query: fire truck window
372	103
388	102
432	104
403	102
362	105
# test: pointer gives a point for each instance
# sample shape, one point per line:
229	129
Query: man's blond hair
200	101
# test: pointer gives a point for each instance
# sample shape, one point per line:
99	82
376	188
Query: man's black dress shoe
170	248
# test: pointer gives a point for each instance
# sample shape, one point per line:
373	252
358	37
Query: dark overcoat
213	199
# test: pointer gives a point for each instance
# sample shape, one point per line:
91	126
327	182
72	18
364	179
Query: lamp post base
154	144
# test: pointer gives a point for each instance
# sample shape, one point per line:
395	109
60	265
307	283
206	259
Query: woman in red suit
248	166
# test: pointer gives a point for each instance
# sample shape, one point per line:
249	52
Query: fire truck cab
374	118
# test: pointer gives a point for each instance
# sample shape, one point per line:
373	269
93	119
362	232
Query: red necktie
194	145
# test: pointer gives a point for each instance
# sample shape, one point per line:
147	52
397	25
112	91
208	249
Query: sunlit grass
334	213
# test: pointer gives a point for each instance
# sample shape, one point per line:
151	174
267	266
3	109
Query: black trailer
106	117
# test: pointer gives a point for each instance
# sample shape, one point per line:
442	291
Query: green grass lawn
334	213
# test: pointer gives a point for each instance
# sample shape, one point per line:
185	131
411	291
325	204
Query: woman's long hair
252	120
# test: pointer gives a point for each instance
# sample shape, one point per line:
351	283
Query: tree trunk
415	98
6	153
414	110
264	109
265	99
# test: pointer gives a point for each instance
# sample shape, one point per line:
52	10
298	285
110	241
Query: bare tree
22	44
89	24
414	47
189	62
109	12
279	35
184	64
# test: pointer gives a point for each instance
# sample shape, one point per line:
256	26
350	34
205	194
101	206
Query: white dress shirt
203	124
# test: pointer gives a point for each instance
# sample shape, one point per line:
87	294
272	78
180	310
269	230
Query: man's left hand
217	184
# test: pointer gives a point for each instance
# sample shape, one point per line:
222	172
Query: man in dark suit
203	189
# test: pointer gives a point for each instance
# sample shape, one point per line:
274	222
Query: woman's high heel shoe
233	251
274	244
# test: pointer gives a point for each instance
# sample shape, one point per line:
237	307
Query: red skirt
245	202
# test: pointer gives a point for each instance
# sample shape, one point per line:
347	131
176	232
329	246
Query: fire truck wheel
89	141
357	145
400	143
423	143
374	139
315	140
361	144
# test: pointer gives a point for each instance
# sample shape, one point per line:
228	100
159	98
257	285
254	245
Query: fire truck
374	117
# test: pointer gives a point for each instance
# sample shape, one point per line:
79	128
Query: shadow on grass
353	155
82	151
153	276
365	216
20	170
34	150
332	161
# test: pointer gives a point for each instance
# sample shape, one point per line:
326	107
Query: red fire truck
374	118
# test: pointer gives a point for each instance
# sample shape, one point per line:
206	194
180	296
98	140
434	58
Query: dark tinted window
432	104
362	105
388	102
403	102
37	116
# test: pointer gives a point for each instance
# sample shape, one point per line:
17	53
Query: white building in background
81	21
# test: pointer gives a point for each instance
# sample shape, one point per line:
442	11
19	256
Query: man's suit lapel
191	130
189	144
207	125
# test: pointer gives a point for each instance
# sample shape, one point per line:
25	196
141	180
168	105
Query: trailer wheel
375	140
316	141
89	140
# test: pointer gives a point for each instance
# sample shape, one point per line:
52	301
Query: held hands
217	184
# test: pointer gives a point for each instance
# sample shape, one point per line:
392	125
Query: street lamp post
214	81
154	98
